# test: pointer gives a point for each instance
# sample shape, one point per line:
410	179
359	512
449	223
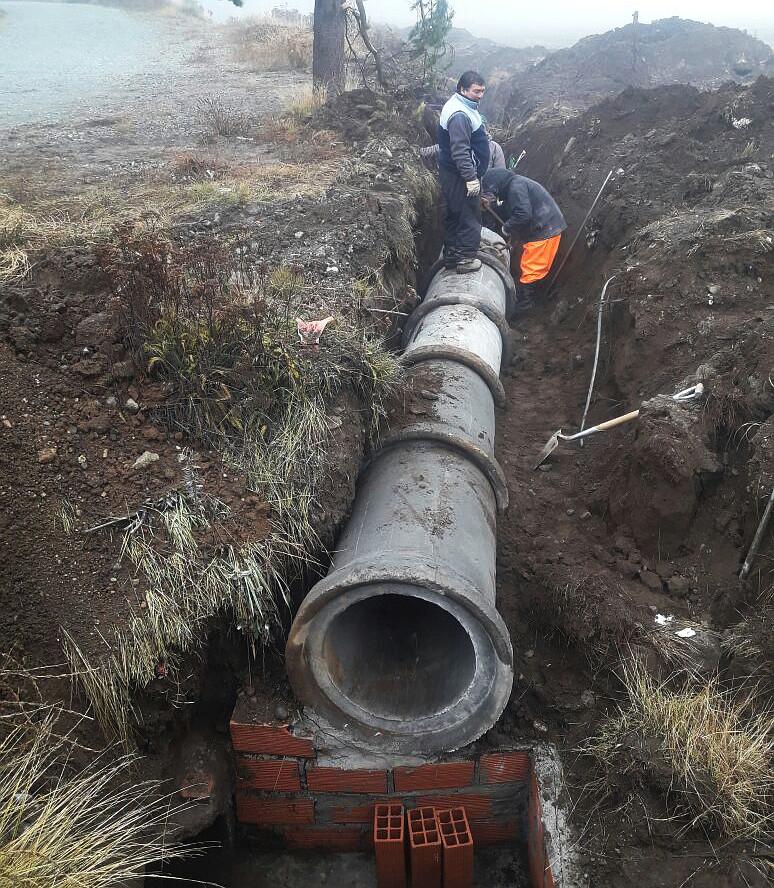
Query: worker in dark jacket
531	217
463	158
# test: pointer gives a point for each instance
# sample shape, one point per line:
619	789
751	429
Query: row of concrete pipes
401	643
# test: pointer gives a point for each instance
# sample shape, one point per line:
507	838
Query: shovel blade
553	443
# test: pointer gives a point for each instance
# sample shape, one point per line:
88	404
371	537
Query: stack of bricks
285	788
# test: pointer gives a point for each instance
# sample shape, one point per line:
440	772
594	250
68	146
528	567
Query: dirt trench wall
685	228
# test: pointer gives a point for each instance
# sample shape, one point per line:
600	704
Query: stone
588	699
52	329
122	370
280	712
678	586
146	459
96	328
100	424
651	580
47	455
132	406
87	368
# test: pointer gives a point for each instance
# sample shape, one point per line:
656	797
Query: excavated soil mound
671	50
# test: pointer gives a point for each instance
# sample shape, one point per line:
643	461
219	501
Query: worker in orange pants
531	216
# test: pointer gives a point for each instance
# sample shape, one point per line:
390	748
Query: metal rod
578	233
757	539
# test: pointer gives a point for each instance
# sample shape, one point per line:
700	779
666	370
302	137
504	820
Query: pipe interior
398	656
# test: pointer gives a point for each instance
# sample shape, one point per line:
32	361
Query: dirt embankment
138	491
655	517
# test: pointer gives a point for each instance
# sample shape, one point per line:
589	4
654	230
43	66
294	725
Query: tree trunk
330	24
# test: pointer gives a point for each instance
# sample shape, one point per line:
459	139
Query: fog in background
558	23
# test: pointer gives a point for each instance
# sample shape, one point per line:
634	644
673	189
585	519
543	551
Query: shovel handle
618	420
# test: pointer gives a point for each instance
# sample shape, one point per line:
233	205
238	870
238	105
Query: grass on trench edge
241	387
717	748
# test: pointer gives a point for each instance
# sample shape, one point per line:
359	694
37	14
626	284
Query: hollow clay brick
457	843
323	779
268	812
270	740
424	848
272	775
505	767
390	845
444	775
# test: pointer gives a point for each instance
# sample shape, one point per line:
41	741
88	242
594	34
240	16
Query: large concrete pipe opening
399	657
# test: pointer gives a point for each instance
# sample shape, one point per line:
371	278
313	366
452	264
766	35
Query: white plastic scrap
740	122
686	633
663	620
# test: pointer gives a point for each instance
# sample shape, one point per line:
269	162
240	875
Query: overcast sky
556	23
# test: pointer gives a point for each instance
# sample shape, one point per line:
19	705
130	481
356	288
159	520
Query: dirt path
133	137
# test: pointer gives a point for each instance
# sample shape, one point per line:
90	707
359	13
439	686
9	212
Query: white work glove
474	187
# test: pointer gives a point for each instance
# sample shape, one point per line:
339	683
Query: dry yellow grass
718	749
88	219
62	826
266	45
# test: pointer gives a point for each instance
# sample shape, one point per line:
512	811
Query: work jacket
528	210
462	138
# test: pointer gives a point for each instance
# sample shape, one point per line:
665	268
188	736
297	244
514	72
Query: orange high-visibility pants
537	258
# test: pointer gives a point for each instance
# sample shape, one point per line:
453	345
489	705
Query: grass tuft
60	824
264	45
220	118
714	758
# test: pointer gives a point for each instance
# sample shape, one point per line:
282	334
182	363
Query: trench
401	651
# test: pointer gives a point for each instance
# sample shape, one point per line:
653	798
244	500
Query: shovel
553	441
487	205
689	394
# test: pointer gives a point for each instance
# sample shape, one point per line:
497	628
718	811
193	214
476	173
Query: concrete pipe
401	642
464	334
480	291
459	412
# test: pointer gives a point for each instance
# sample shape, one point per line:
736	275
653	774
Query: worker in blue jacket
463	158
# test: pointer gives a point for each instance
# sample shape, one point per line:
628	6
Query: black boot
526	296
450	259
